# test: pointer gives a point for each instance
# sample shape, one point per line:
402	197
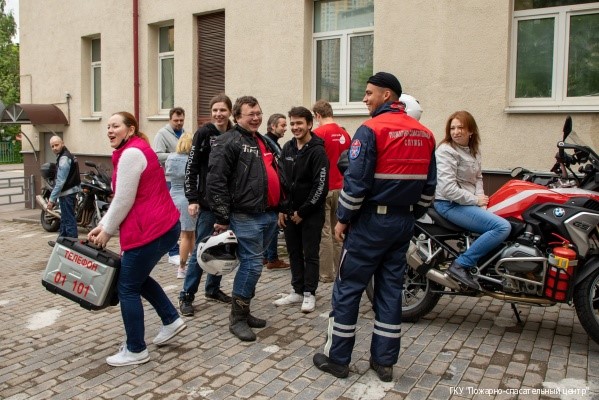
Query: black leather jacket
237	180
196	168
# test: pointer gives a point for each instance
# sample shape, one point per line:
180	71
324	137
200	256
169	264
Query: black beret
386	80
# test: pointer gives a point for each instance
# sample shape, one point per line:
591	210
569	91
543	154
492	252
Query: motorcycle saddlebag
83	273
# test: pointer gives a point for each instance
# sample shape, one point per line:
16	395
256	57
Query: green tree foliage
9	71
9	58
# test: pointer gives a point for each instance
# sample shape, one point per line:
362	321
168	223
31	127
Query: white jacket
459	174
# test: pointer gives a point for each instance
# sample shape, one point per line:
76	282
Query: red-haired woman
148	223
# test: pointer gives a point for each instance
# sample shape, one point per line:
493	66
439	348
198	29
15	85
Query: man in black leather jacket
243	190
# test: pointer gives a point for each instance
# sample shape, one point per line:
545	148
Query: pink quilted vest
153	212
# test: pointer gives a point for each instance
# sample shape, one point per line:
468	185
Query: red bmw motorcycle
551	255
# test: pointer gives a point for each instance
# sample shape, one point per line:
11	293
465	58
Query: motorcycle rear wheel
417	299
586	302
49	222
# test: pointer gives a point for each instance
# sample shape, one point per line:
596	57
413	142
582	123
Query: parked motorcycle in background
91	203
563	175
550	257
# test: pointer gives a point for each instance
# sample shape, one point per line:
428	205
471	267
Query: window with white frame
96	76
555	55
343	47
166	66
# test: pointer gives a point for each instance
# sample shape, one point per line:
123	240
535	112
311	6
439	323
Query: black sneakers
460	273
218	296
186	307
323	363
385	374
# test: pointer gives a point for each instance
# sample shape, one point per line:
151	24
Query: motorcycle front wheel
418	297
586	302
49	222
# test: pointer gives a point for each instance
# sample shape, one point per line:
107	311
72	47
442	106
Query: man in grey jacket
167	137
165	142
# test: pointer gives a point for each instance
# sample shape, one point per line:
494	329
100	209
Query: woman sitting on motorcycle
459	196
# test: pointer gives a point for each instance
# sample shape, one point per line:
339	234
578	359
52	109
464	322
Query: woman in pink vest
148	220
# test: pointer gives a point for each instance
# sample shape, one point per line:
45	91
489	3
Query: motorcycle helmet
412	106
217	255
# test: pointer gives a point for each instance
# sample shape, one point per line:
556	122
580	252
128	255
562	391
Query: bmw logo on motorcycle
559	212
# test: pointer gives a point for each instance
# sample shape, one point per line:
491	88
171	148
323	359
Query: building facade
518	66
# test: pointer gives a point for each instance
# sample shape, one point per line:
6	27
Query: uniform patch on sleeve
354	150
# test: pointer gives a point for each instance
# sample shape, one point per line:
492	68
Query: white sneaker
126	357
309	303
167	332
291	298
181	272
176	259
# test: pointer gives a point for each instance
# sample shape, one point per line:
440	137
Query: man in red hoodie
336	140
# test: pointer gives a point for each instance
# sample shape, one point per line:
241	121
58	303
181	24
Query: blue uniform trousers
375	245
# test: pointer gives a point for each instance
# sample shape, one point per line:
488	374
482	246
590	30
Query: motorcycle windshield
583	155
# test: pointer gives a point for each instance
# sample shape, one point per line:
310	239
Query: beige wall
450	57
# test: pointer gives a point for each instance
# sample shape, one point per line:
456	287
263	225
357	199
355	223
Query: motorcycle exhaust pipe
414	261
522	300
44	205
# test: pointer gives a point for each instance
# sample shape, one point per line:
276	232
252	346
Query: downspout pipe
136	58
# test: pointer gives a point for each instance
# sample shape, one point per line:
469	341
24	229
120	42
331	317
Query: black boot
238	320
323	363
255	322
385	374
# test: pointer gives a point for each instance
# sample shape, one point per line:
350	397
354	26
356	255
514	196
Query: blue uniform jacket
391	163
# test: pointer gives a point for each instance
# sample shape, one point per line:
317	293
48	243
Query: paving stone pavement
50	348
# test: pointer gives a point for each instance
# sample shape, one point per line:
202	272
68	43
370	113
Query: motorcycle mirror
90	164
561	153
567	127
517	172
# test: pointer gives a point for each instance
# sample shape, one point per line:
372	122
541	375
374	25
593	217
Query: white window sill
90	119
551	109
158	117
348	112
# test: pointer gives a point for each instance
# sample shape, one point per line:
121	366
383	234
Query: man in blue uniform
390	181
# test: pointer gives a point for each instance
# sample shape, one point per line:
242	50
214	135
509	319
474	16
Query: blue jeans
135	282
493	229
271	253
204	227
68	221
173	251
254	232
